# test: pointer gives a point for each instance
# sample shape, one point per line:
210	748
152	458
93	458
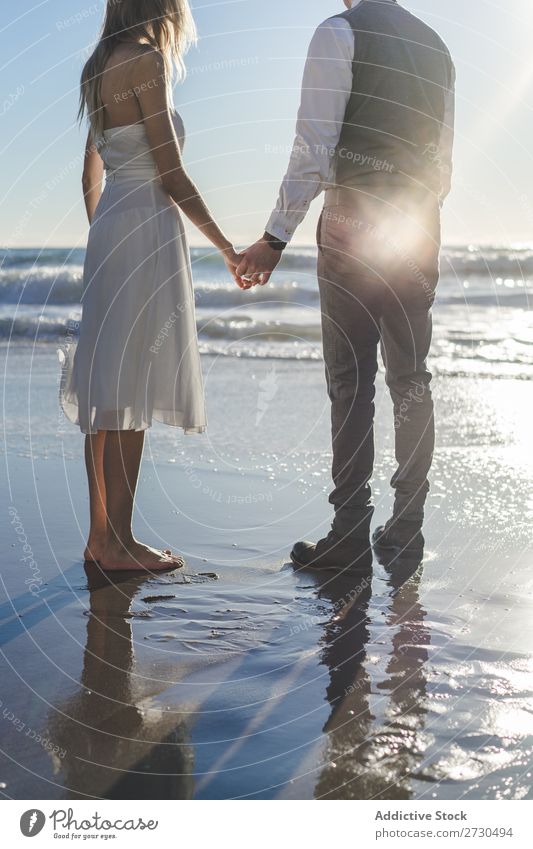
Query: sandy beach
240	677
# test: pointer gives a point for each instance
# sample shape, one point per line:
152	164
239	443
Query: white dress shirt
326	90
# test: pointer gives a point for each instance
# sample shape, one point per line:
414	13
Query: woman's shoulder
148	54
133	54
148	62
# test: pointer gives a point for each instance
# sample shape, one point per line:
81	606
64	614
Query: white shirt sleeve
326	89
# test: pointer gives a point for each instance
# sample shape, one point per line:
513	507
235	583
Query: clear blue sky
239	105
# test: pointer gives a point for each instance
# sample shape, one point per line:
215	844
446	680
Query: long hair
165	25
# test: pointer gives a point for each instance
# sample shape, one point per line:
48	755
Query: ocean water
483	324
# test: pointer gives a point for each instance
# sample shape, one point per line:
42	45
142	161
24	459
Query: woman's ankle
117	542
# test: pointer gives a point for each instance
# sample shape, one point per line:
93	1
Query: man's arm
326	89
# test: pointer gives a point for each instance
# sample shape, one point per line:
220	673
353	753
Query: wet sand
240	677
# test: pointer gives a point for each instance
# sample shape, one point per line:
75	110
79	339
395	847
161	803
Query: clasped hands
254	266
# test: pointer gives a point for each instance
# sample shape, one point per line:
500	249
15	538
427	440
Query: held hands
257	264
254	266
232	260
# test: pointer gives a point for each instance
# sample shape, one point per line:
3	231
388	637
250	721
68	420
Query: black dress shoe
399	535
333	553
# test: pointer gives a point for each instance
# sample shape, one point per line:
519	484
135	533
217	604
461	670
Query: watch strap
274	243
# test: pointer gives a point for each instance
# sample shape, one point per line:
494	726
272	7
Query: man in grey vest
375	132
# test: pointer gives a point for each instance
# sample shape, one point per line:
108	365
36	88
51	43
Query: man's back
402	72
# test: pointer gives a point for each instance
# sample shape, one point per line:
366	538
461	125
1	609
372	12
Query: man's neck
355	3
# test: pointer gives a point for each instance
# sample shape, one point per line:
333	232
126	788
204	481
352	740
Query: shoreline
240	677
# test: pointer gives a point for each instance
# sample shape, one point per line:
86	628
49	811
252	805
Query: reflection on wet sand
375	730
290	685
119	743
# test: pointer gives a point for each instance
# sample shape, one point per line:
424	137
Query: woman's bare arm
150	89
93	175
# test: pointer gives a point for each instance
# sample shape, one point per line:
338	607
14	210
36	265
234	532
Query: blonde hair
165	25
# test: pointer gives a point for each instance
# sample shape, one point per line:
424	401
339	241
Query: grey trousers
378	269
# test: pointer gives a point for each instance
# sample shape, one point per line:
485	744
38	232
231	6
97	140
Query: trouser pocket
319	233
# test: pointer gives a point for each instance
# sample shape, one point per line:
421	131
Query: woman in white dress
137	356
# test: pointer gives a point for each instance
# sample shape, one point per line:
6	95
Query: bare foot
138	557
96	549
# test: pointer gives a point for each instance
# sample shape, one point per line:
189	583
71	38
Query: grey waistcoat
401	72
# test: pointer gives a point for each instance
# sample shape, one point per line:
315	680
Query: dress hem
93	430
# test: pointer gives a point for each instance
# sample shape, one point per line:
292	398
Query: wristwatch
275	244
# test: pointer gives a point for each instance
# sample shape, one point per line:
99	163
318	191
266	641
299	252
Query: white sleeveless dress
137	356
